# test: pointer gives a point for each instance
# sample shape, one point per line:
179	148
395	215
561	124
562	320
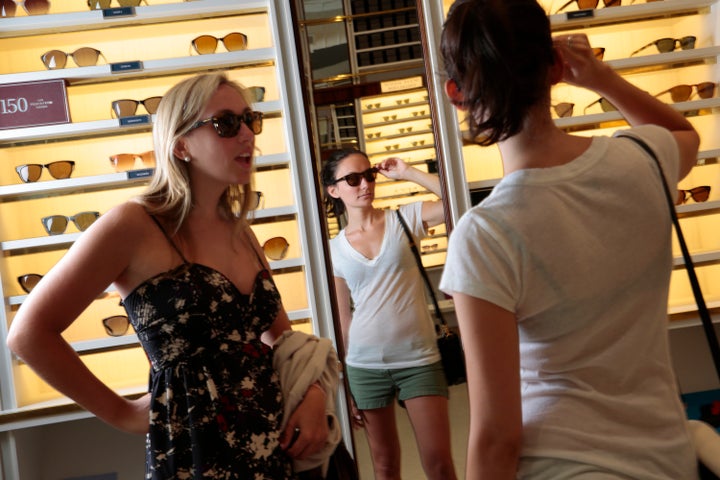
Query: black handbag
705	473
448	342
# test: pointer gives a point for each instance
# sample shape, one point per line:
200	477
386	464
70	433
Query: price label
31	104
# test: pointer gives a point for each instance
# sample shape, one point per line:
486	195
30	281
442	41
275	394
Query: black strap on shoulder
172	244
424	274
689	265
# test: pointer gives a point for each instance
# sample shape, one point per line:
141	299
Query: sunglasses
31	7
682	93
699	194
228	124
606	106
354	179
103	4
58	170
83	57
29	281
564	109
127	108
205	44
117	325
276	248
257	199
126	161
57	224
589	4
256	93
665	45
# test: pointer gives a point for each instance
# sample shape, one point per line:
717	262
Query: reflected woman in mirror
387	330
560	277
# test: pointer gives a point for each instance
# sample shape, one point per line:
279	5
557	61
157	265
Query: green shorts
377	388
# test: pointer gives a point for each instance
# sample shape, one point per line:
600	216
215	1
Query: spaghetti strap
172	244
250	242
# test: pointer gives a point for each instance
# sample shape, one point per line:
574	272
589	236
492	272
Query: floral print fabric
216	402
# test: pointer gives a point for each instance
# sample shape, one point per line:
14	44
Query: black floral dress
216	403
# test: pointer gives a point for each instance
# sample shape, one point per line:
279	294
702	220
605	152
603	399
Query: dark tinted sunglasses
117	325
228	124
28	281
354	179
699	194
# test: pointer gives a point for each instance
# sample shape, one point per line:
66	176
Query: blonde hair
169	195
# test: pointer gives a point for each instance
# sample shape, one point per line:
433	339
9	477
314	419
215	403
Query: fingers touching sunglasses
682	93
128	108
665	45
57	224
31	7
699	194
205	44
228	124
83	57
354	179
58	170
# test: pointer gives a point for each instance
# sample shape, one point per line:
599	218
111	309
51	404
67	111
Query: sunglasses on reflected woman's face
354	179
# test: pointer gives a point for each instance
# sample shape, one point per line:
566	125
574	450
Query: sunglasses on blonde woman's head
228	124
128	108
682	93
276	248
83	57
354	179
699	194
58	170
666	45
57	224
31	7
116	326
126	161
28	281
205	44
103	4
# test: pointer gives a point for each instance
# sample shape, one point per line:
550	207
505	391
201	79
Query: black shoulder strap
424	274
172	244
689	265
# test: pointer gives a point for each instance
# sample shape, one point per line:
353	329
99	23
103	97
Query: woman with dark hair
560	276
387	331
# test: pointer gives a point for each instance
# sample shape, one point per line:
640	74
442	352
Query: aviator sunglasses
228	124
31	7
699	194
354	179
205	44
58	170
682	93
57	224
83	57
665	45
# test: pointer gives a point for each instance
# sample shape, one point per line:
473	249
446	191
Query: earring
186	158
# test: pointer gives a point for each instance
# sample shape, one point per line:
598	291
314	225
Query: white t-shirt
581	253
391	325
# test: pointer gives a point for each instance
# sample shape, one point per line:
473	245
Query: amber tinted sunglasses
228	124
354	179
665	45
682	93
58	170
57	224
102	4
699	194
564	109
276	248
604	104
126	161
128	108
28	281
83	57
31	7
205	44
117	325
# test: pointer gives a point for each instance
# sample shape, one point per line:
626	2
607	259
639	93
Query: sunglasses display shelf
164	36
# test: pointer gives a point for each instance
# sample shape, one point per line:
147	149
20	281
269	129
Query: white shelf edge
49	241
659	59
33	189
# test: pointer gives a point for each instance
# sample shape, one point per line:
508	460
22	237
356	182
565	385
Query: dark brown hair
327	177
